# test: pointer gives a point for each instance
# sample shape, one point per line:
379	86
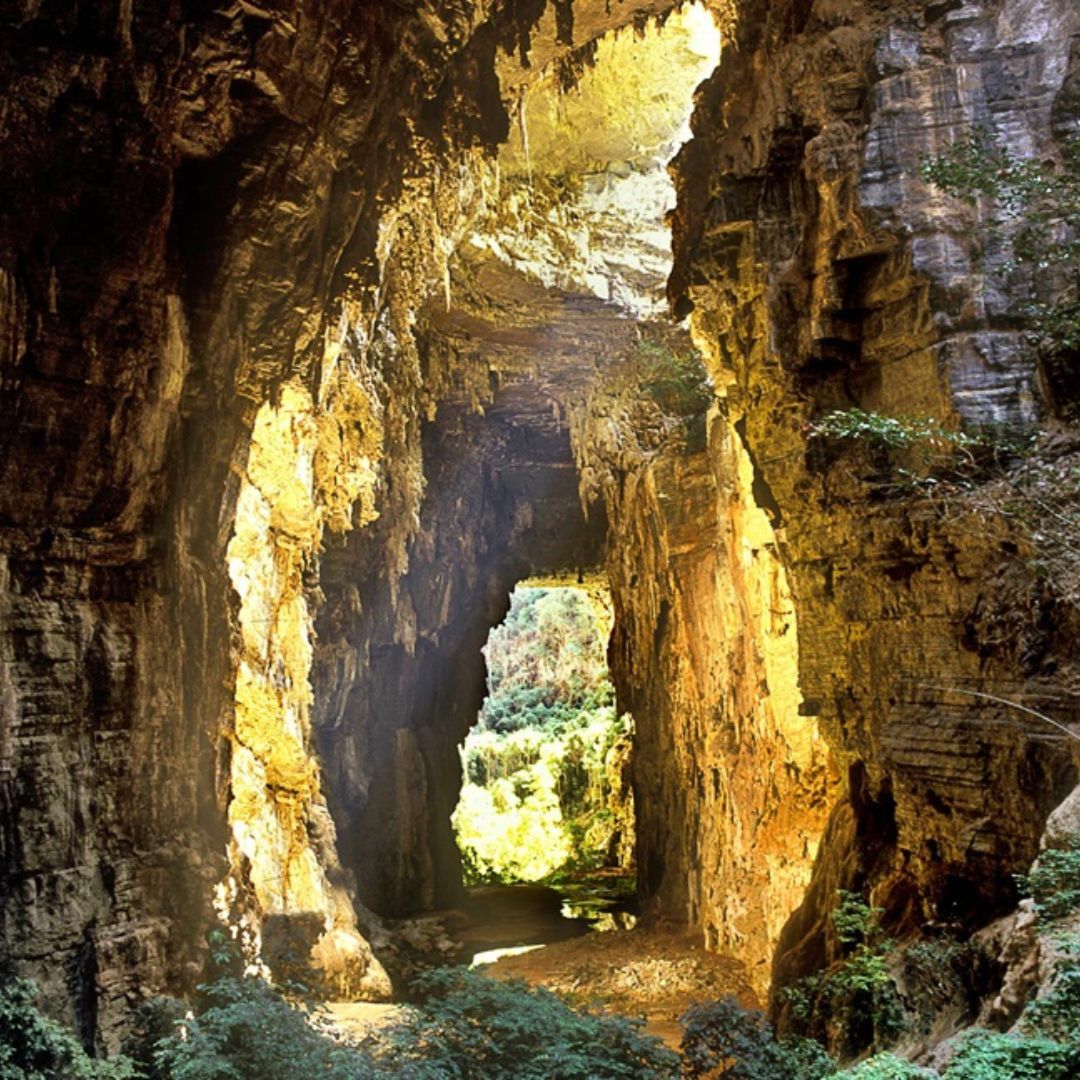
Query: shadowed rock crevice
399	674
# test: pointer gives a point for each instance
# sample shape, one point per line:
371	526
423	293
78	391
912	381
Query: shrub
1057	1013
892	432
471	1027
934	976
724	1039
858	994
932	452
244	1028
33	1047
1055	880
675	379
885	1067
989	1055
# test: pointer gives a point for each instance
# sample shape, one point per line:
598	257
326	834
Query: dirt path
652	973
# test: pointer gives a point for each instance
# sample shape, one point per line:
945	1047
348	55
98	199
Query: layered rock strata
826	275
189	195
252	219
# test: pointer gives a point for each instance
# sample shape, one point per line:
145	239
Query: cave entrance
546	798
383	521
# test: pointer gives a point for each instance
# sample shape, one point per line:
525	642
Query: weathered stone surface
262	219
188	194
828	275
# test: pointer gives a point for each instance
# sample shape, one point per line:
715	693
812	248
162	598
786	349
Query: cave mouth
546	801
375	548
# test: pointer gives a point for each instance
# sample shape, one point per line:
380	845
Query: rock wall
732	781
199	204
825	274
400	675
224	220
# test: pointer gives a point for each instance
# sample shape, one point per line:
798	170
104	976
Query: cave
324	327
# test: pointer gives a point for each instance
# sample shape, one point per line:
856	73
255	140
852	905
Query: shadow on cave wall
399	674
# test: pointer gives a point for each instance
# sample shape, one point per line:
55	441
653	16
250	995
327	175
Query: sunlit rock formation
300	373
828	274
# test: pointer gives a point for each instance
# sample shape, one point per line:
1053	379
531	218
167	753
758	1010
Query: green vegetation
884	1067
32	1047
1038	205
676	381
470	1026
543	791
988	476
674	378
991	1055
1054	880
857	996
934	975
1057	1013
724	1039
546	663
240	1028
892	432
464	1026
858	1000
919	452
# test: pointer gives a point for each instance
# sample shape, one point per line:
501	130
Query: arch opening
376	549
546	794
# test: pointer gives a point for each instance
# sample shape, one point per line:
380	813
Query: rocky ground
655	973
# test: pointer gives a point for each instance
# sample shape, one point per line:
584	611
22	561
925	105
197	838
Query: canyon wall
825	274
200	205
287	414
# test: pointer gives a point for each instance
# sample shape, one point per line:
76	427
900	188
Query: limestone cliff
826	274
200	205
299	375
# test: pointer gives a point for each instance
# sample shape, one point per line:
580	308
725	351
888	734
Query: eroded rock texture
199	204
296	383
828	275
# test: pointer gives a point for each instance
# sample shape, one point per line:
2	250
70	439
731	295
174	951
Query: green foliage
884	1067
990	1055
676	381
859	994
920	452
1054	881
674	378
539	765
724	1039
933	976
33	1047
1039	205
471	1027
892	432
243	1027
546	663
1056	1014
855	921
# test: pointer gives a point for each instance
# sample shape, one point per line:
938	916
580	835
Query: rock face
198	206
827	275
284	421
399	673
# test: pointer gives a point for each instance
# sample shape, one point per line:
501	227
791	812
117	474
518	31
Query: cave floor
654	973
